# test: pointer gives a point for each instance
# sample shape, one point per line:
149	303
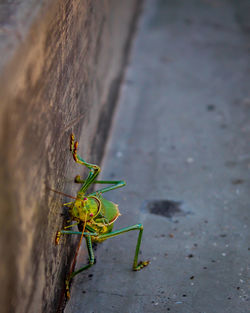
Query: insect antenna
63	194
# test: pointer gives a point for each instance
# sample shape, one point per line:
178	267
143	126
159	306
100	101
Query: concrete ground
181	141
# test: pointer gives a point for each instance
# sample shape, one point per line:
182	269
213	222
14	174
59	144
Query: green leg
94	169
72	225
71	232
136	266
63	231
91	262
115	184
68	203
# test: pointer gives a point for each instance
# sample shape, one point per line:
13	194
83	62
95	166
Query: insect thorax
86	208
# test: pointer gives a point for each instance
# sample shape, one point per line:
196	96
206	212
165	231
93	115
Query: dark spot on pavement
237	181
230	164
188	21
164	208
210	107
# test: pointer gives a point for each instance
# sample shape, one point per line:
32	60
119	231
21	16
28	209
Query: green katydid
96	214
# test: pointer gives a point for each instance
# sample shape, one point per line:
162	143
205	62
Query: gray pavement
180	134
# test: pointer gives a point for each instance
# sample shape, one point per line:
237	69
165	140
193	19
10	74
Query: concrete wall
60	67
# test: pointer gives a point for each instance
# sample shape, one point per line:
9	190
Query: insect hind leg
77	158
136	266
91	262
94	169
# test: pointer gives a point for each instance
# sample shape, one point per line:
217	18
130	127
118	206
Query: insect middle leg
115	184
136	266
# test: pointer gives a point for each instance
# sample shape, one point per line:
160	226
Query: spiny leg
136	266
91	262
115	184
94	169
72	232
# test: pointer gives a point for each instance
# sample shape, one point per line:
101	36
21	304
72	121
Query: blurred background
157	92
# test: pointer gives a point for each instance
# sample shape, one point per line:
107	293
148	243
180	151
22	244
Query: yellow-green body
100	214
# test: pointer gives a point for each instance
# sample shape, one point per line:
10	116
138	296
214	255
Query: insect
96	214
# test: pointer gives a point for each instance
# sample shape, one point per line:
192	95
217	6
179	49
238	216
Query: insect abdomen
109	210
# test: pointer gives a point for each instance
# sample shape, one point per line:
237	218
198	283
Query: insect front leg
63	231
136	266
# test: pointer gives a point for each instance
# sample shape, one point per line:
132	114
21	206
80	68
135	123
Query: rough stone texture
61	63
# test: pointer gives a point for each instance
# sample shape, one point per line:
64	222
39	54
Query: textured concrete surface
181	133
60	68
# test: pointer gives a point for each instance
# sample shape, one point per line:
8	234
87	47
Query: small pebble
190	160
119	154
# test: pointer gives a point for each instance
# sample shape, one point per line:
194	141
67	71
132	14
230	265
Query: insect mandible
96	214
